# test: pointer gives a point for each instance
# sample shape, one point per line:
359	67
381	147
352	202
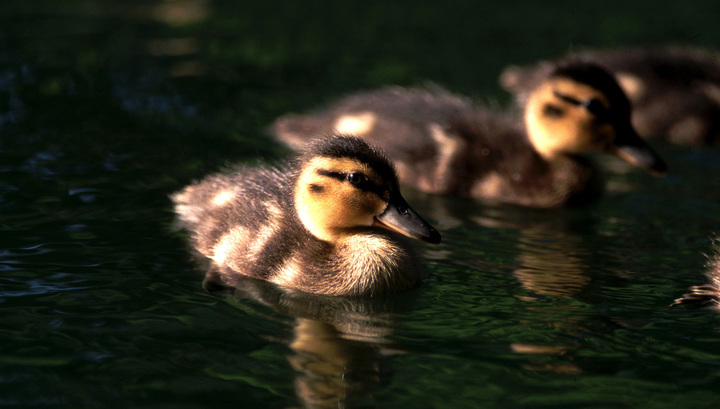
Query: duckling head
581	108
344	186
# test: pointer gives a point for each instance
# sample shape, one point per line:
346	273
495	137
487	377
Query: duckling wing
675	91
392	115
409	124
240	219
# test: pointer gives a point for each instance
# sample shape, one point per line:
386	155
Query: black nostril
402	210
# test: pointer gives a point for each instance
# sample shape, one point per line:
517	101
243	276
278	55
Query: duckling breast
378	263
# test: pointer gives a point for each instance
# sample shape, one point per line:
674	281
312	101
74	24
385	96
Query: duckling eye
355	178
596	107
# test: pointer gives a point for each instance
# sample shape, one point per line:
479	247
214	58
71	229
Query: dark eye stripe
567	98
553	111
364	184
594	106
335	175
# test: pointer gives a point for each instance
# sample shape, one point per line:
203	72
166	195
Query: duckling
326	224
674	90
706	295
443	143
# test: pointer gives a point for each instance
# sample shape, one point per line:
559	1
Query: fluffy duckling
674	91
443	143
326	224
706	295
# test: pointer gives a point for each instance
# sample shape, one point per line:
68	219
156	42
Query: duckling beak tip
631	148
642	157
400	218
434	237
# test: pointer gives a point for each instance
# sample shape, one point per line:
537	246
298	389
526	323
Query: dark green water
106	107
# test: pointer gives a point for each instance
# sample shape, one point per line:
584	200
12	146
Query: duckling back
245	222
444	143
235	218
674	91
410	124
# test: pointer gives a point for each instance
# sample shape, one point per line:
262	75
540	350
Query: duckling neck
362	264
548	152
375	263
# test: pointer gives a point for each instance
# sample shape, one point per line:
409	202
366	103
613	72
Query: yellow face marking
556	127
356	124
328	206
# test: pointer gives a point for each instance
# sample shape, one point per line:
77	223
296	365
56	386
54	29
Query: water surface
108	107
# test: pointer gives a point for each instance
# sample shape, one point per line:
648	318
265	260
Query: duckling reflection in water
443	143
327	224
552	263
332	370
674	91
706	295
339	344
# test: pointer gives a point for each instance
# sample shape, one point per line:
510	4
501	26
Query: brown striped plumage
708	294
321	225
443	143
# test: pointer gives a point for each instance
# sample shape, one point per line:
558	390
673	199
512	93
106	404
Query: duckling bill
444	143
330	223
